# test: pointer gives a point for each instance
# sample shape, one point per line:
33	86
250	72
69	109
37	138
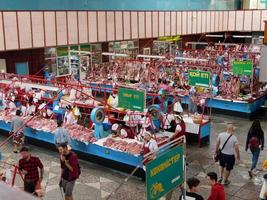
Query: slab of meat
121	145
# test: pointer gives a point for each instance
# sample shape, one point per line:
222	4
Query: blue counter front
78	146
237	106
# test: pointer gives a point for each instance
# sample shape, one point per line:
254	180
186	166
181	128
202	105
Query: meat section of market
116	103
44	102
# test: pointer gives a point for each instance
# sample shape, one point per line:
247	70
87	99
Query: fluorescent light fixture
150	56
204	43
218	36
242	36
191	59
114	54
226	44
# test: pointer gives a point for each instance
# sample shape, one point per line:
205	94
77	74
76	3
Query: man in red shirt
70	170
28	166
217	189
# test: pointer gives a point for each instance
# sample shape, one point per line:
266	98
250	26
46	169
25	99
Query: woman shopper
255	142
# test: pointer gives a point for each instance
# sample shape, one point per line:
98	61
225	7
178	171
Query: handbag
219	152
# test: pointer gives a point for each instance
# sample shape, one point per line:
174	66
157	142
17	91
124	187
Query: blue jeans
255	157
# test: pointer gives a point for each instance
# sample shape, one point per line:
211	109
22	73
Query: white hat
115	127
124	133
35	100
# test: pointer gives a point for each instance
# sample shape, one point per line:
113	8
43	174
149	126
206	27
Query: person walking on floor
61	135
255	142
217	189
192	193
227	143
28	166
17	131
70	169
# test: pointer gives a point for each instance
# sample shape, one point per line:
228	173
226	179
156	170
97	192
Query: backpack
254	143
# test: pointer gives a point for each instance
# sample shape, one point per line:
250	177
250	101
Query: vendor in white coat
150	146
69	117
113	99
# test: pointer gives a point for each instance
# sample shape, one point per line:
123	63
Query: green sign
164	173
242	67
132	99
62	51
199	78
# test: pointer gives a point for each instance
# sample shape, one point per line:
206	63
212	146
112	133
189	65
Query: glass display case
131	48
72	60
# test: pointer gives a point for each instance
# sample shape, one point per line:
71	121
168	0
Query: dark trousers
29	186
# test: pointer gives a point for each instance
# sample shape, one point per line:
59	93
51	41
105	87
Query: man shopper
228	144
17	131
217	189
61	135
28	166
193	184
70	170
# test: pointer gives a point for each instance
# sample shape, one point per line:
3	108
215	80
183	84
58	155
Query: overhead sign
243	67
164	173
169	38
132	99
199	78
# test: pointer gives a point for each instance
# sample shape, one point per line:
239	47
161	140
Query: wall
2	65
34	57
117	4
41	29
145	43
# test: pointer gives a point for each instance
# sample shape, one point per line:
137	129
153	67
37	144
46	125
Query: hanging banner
169	38
164	173
242	68
132	99
199	78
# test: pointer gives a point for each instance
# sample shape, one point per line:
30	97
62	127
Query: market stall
99	140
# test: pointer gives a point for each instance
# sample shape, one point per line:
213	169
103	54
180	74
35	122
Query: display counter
217	103
233	105
95	149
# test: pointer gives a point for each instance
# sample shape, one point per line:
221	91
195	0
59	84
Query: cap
115	127
124	133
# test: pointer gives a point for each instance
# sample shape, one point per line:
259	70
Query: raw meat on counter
76	132
39	123
80	133
122	145
6	116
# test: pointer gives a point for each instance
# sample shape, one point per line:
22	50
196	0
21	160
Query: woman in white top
150	146
113	100
69	117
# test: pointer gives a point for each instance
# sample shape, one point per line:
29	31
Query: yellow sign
169	38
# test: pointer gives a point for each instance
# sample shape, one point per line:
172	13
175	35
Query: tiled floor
98	182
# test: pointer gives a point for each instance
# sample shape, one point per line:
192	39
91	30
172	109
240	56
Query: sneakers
250	174
226	182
